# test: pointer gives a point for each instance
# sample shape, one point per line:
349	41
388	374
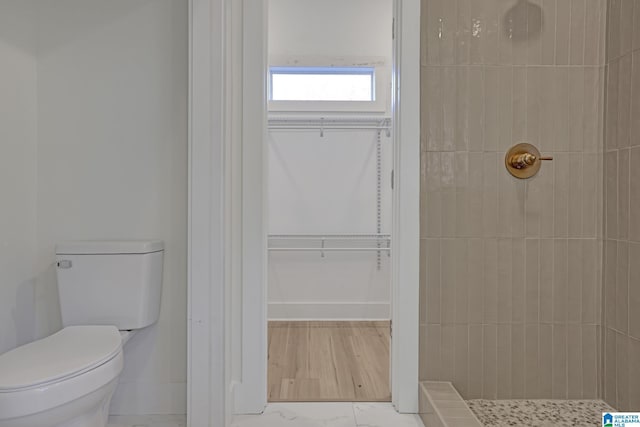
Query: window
322	84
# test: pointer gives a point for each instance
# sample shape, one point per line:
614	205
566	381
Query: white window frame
382	82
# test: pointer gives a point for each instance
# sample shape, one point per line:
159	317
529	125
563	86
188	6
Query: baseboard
329	311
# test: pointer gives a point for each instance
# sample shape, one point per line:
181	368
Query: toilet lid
71	351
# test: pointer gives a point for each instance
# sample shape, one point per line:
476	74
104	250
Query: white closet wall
327	184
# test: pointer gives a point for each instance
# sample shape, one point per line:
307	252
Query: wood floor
329	361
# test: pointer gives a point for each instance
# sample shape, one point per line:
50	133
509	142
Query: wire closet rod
330	249
322	124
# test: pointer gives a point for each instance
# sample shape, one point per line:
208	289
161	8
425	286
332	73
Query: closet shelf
376	239
334	123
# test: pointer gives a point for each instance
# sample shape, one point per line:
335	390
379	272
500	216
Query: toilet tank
110	282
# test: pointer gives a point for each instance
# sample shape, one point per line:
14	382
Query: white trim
304	310
251	394
209	387
206	362
405	256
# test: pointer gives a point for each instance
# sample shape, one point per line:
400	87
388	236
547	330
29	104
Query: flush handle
65	263
524	160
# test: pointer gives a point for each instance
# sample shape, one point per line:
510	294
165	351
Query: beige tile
560	280
634	138
447	352
590	281
589	365
434	110
449	105
613	40
490	299
577	36
535	22
531	363
475	283
519	104
574	282
624	101
636	26
432	261
476	362
623	194
622	372
634	291
626	26
563	31
574	361
611	193
489	361
431	11
593	109
424	363
634	196
422	293
576	195
448	281
518	285
532	277
561	194
476	108
548	35
560	109
547	260
504	359
448	213
634	374
518	373
545	360
461	369
591	176
463	31
432	352
533	105
577	94
505	34
559	362
491	118
505	108
622	287
610	378
610	272
447	32
461	281
611	121
461	123
504	291
431	216
491	165
593	26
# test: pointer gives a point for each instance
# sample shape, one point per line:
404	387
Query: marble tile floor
342	414
147	421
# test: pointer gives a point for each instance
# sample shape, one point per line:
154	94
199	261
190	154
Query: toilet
108	291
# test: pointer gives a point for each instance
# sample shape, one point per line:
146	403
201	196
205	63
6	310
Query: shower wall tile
626	26
634	291
634	137
622	288
634	374
636	26
510	277
578	29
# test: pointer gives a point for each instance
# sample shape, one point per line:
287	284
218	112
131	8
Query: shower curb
442	406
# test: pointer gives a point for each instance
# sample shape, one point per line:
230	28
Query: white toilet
108	290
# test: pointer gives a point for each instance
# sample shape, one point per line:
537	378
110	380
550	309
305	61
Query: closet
329	184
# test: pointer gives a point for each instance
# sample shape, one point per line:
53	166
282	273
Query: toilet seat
65	354
58	369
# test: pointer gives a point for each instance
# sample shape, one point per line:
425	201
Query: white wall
94	146
18	139
327	184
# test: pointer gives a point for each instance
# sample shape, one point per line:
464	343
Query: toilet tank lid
98	247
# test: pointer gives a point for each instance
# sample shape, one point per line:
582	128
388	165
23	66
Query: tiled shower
528	286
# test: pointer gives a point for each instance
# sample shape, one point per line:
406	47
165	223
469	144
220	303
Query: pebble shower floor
539	413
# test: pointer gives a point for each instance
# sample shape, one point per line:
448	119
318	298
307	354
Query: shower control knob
524	160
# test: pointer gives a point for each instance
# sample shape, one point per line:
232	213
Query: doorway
238	343
329	192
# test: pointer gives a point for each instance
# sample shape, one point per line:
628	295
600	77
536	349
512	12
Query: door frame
217	386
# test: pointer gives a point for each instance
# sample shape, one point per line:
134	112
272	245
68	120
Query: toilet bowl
64	380
108	290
